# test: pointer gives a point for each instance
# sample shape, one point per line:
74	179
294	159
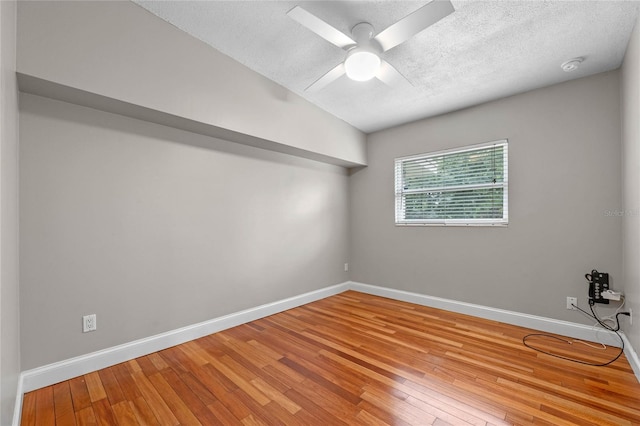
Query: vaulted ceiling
484	50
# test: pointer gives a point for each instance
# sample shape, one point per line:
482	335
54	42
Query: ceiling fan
363	61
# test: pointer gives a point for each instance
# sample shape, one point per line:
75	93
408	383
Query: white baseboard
17	409
74	367
632	356
70	368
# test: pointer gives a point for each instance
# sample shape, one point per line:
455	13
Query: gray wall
9	290
630	97
564	174
153	228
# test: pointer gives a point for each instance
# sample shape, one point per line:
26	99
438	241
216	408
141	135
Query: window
466	186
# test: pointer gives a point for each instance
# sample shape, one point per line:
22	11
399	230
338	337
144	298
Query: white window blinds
466	186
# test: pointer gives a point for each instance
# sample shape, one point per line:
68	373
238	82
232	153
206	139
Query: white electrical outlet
89	323
572	301
630	316
346	267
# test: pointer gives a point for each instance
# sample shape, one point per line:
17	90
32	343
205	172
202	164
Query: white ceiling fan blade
320	27
412	24
391	76
330	77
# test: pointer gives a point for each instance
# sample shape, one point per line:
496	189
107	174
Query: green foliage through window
465	186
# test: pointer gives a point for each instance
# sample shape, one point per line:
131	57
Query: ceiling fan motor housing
362	32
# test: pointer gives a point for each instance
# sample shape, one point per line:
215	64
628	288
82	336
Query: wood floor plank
111	386
225	366
235	405
251	353
28	417
124	414
45	407
177	406
94	386
214	381
157	361
275	395
189	397
247	366
400	409
69	419
86	417
146	366
369	419
162	412
178	360
315	408
104	413
251	420
382	415
142	411
222	413
194	352
332	402
319	377
352	359
283	416
283	374
79	394
263	414
63	404
265	350
127	385
197	387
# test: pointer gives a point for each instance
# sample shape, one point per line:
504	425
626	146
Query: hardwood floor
351	359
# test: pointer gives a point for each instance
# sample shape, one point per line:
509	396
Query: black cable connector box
599	283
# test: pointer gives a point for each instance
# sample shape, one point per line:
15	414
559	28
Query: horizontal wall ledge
41	87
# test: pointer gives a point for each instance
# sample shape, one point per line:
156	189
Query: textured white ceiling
485	50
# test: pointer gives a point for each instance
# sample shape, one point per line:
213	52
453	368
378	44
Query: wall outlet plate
572	301
89	323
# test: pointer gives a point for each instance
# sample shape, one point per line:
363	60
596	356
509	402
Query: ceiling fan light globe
362	65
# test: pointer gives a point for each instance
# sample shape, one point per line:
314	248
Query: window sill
495	225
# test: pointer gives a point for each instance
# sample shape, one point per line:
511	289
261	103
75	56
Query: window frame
400	192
